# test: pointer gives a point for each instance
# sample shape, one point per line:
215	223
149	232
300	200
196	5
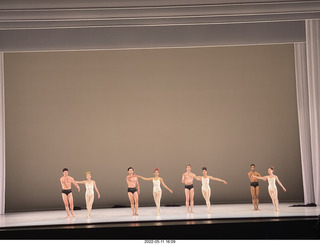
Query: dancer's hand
225	182
98	195
284	189
79	189
171	191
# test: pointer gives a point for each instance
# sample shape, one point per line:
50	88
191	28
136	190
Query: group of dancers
187	180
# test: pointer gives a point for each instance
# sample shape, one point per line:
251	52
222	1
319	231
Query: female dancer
206	191
90	192
157	192
272	188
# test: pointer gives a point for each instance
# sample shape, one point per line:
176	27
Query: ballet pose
157	192
272	188
133	190
206	190
67	197
254	186
90	187
187	180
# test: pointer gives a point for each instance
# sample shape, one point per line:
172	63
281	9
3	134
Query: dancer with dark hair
254	186
272	188
67	197
187	180
133	190
157	192
206	190
90	187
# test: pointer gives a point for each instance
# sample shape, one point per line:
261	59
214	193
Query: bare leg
274	196
130	195
66	204
157	199
187	199
253	195
206	196
136	202
70	198
257	197
191	199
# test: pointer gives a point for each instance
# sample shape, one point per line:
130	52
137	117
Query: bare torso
66	182
132	181
253	179
188	178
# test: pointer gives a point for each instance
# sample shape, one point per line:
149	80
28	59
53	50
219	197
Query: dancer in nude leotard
206	190
90	187
157	192
272	188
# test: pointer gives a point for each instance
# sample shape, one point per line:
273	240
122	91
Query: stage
226	221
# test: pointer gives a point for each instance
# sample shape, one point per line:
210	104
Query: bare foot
68	217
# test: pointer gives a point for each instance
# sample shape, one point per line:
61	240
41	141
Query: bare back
66	182
132	181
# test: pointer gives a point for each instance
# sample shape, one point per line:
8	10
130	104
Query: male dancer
67	197
187	180
254	186
133	191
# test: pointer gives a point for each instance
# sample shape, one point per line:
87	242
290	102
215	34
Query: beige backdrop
103	111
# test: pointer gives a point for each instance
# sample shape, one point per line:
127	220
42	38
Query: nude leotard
205	184
156	185
89	188
272	183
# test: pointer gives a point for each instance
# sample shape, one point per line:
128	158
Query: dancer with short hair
89	196
67	196
272	188
133	190
254	186
206	190
187	180
157	192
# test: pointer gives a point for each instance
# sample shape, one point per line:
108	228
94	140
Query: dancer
187	180
133	190
90	184
254	186
206	191
157	192
67	197
272	188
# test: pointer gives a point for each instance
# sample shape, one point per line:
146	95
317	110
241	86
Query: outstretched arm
139	176
162	182
280	184
80	182
75	183
96	188
217	179
260	178
197	177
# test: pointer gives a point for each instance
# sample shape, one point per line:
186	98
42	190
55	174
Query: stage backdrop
103	111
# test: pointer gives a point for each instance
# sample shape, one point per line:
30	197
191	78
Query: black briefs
254	184
189	187
67	192
132	190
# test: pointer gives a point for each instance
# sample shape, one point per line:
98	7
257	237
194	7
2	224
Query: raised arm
162	182
217	179
280	183
96	188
